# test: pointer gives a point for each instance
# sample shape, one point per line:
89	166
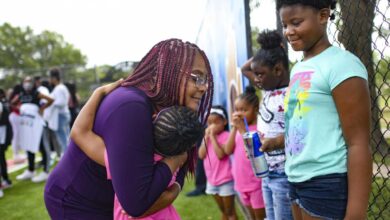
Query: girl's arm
353	106
49	100
247	70
231	142
89	142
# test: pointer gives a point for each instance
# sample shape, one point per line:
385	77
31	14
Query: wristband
178	186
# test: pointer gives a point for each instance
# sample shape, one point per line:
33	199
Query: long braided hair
160	73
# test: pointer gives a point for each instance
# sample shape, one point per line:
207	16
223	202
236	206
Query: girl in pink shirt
217	163
245	181
176	131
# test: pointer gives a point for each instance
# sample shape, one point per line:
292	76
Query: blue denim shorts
322	196
225	189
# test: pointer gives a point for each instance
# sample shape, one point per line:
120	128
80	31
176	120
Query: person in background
60	109
30	96
268	69
217	163
14	119
44	146
5	140
74	102
245	182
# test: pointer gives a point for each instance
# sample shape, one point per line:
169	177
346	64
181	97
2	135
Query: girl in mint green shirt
327	111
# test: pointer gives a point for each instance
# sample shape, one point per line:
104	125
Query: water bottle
256	157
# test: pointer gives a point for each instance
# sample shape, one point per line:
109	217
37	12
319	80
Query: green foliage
24	53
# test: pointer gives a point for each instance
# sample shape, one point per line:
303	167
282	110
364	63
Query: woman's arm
353	106
82	134
166	198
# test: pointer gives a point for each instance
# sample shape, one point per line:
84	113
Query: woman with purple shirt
172	73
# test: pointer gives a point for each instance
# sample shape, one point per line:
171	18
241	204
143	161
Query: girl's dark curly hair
176	130
271	51
317	4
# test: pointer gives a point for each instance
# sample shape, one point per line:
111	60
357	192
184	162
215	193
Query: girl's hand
212	129
238	122
106	89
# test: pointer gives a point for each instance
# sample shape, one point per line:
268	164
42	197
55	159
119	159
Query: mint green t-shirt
314	141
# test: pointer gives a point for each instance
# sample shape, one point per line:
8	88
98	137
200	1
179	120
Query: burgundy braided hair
160	73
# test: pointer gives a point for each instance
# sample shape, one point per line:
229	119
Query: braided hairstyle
176	130
317	4
271	51
250	96
160	73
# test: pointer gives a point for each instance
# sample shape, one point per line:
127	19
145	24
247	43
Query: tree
24	53
357	17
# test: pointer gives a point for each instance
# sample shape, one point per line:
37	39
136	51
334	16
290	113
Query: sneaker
1	193
40	177
26	175
5	184
195	192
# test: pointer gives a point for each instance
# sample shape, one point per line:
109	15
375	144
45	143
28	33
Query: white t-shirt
61	98
270	124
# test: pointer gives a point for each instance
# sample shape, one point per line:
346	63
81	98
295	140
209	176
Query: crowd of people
135	140
35	117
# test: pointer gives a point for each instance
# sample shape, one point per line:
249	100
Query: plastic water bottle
257	158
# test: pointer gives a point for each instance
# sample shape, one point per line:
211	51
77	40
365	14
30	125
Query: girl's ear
225	122
324	15
278	69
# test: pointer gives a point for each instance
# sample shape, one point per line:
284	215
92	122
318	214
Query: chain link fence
363	28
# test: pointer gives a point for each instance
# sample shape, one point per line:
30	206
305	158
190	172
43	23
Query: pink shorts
253	199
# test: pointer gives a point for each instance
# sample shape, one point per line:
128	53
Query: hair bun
269	39
250	90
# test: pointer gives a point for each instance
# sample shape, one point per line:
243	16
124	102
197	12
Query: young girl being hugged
245	181
217	163
327	112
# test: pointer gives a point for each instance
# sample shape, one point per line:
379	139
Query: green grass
25	201
201	207
379	159
380	199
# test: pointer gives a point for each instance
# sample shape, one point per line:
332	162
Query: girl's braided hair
160	74
176	130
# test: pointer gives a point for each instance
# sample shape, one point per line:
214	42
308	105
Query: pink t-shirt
244	177
217	171
168	213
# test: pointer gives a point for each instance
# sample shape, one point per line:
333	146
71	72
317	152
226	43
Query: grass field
25	201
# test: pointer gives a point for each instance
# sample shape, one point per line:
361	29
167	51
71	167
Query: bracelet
178	186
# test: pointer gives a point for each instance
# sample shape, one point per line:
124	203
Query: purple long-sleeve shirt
78	187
